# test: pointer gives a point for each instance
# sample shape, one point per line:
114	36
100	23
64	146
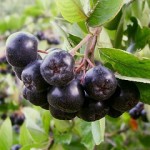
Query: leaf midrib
80	9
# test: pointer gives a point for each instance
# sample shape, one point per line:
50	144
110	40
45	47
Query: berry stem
41	51
75	49
88	59
89	51
109	135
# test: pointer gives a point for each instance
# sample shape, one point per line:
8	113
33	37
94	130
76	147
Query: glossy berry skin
21	49
20	119
114	113
18	71
35	97
32	78
128	97
57	68
92	110
61	115
69	98
100	83
135	113
15	147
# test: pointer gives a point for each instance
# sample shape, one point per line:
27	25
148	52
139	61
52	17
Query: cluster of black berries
52	84
17	119
50	40
5	67
139	112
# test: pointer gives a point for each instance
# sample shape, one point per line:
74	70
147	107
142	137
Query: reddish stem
90	63
75	49
41	51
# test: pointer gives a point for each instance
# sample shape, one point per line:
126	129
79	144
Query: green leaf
38	135
144	92
74	40
83	26
83	129
6	137
33	11
37	146
62	125
62	138
71	10
25	137
104	39
74	146
104	11
46	121
98	131
126	63
135	79
142	37
144	139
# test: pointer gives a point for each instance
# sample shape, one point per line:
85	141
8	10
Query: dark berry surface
57	68
21	49
61	115
129	96
92	110
114	113
69	98
32	78
35	97
100	83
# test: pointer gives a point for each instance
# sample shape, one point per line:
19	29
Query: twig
117	132
41	51
75	49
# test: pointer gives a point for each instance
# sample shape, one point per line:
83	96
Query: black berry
35	97
57	68
61	115
69	98
128	97
45	106
21	49
114	113
20	119
134	113
100	83
92	110
32	78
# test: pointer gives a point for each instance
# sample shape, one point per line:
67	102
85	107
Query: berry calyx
100	83
57	68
